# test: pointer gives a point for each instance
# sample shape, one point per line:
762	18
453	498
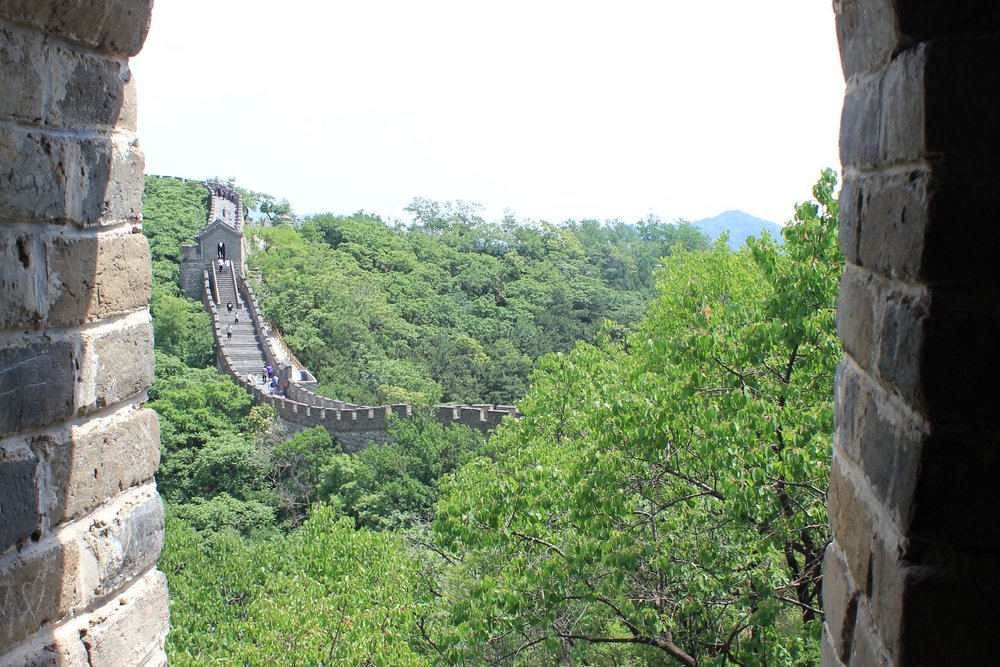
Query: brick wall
81	524
911	575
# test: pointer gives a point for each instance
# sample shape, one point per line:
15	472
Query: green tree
663	496
326	594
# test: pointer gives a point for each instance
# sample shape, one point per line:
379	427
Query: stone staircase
252	346
225	285
244	348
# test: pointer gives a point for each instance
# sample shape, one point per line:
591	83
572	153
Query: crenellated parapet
354	426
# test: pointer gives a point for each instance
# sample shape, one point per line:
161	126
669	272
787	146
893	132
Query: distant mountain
740	226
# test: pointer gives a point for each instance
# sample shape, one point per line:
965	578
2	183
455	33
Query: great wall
247	343
910	578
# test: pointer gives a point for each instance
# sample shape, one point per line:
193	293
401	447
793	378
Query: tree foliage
451	307
661	500
665	495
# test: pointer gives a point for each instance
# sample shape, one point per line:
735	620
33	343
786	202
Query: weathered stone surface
97	461
123	540
64	280
868	34
119	282
882	122
117	365
19	502
840	596
58	649
828	654
54	178
883	222
87	92
130	629
859	142
37	587
902	342
22	63
32	370
866	648
117	26
856	316
853	523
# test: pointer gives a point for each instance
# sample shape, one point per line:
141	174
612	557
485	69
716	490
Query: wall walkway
255	345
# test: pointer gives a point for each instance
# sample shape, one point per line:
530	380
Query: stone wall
81	524
353	426
911	578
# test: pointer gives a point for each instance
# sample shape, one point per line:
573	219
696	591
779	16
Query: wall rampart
81	523
352	425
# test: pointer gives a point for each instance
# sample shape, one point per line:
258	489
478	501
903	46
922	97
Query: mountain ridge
740	225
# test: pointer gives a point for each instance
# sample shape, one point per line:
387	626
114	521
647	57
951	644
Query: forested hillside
660	502
451	307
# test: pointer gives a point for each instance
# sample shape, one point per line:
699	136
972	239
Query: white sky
554	109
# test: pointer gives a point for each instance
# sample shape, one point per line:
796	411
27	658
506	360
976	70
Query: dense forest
450	307
661	501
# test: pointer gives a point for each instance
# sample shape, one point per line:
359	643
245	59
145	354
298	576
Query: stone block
856	316
852	522
22	62
64	280
840	601
866	647
884	222
119	282
97	460
130	629
117	365
37	588
868	34
901	126
828	654
902	337
88	92
19	501
121	540
859	122
90	181
58	649
30	370
117	26
882	121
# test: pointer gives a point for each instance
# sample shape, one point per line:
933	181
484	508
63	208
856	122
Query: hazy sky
553	109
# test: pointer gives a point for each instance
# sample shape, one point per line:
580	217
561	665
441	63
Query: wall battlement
354	426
